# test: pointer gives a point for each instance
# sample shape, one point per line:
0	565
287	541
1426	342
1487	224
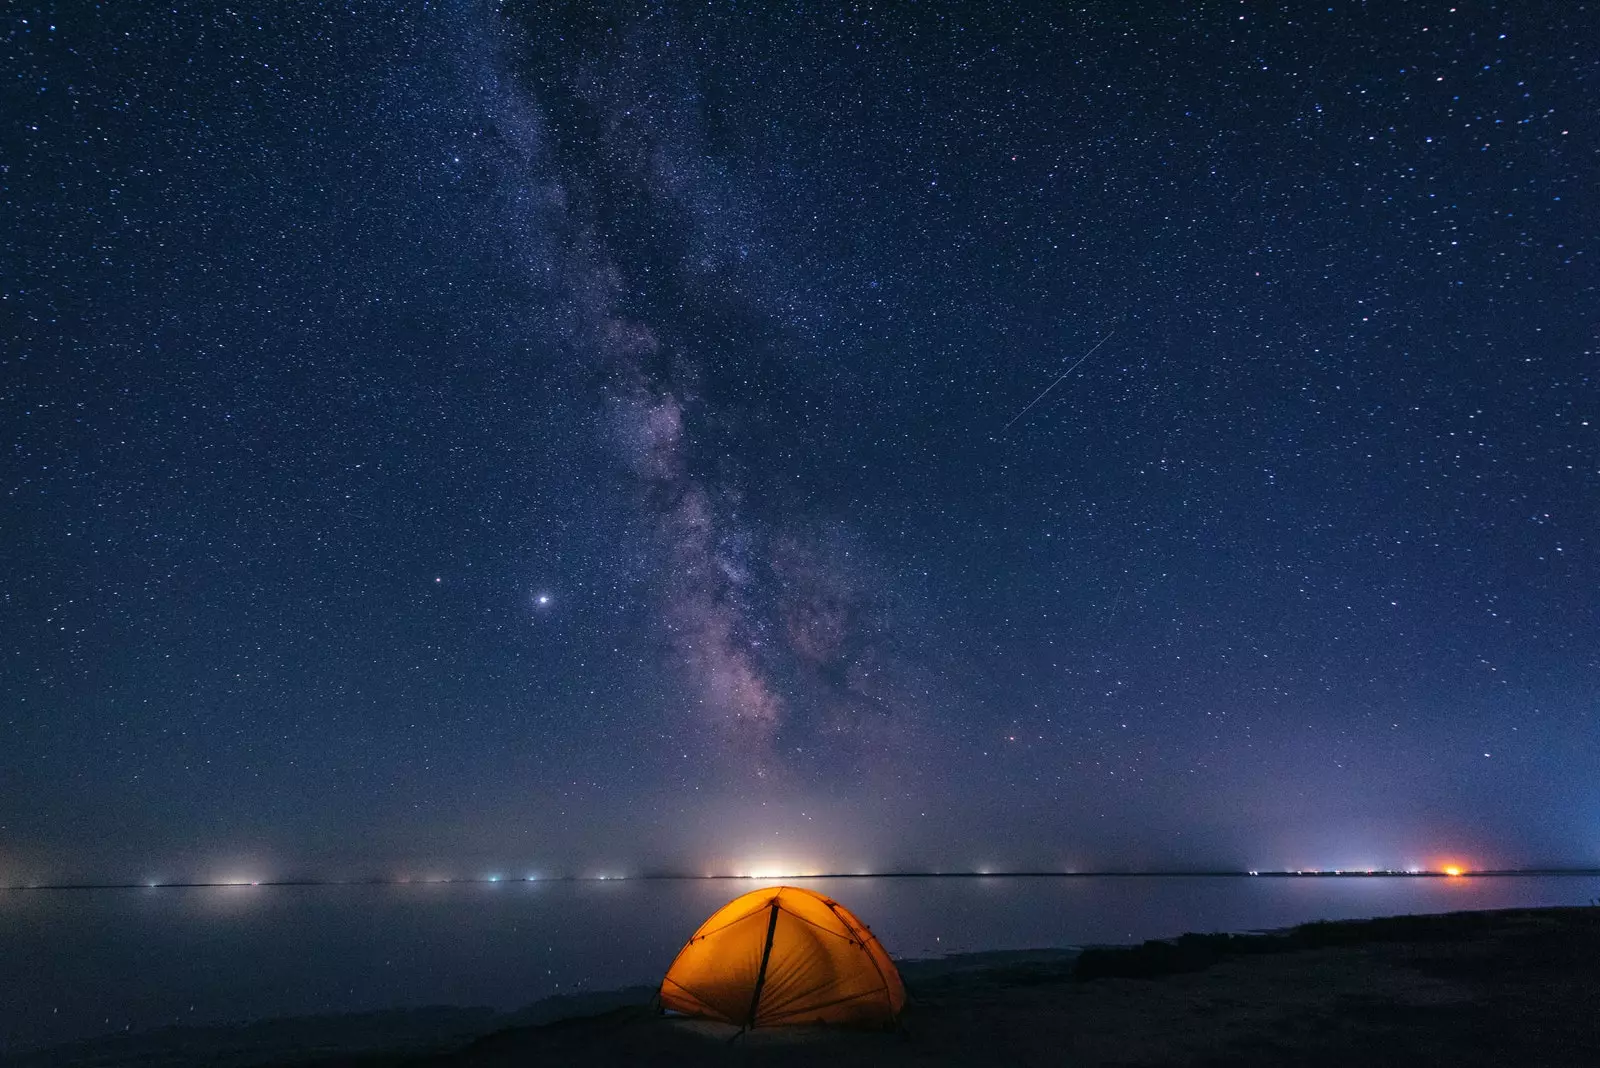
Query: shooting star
1058	381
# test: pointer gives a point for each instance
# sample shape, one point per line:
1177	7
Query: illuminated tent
783	955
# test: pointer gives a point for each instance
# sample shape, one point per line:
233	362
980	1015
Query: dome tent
784	955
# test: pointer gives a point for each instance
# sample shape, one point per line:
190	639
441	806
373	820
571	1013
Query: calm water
83	963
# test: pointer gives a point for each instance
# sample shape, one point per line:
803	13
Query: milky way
754	613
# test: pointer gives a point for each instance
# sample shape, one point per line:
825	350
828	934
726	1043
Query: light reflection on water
80	963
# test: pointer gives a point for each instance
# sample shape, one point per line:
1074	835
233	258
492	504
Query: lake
80	963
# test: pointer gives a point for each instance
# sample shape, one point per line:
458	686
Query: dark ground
1472	989
1517	987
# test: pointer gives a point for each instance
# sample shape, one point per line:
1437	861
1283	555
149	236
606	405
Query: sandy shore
1487	988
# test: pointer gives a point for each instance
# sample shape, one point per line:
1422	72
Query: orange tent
784	955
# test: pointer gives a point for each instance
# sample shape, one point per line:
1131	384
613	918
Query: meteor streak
1058	381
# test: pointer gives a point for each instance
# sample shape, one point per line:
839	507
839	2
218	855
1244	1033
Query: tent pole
766	955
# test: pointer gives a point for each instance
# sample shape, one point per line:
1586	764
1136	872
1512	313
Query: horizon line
1289	873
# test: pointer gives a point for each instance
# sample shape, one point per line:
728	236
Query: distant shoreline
493	881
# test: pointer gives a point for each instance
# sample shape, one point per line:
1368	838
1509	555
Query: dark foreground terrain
1518	987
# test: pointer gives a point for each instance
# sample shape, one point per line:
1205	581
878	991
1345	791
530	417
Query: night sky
459	439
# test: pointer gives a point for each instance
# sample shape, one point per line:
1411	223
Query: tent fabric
784	955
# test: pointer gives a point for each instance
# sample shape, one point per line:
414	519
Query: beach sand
1517	987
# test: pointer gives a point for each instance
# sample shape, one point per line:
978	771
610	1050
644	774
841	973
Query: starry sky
452	438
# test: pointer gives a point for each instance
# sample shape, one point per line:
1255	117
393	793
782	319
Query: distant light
542	600
1452	871
494	878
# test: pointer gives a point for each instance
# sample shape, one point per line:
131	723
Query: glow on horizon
769	870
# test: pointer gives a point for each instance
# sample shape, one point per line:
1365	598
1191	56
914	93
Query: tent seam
883	979
821	928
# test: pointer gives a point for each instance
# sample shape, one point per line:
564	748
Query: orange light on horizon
1452	870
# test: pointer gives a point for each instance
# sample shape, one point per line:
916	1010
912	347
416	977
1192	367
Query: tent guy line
1058	381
